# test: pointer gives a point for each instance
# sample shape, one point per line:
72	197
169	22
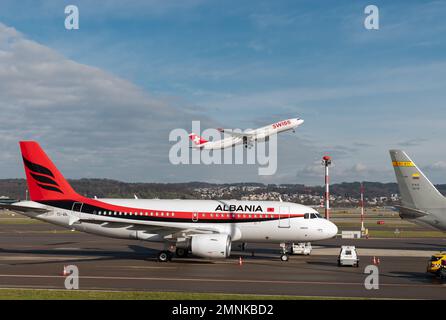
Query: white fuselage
264	221
260	134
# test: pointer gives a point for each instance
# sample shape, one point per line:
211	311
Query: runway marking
224	280
136	267
48	259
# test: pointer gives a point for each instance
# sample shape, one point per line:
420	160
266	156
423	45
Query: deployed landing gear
284	255
248	144
164	256
181	252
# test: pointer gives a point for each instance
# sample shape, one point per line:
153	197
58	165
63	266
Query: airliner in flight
248	137
421	202
204	228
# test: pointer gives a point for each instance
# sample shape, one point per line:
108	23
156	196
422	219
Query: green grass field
42	294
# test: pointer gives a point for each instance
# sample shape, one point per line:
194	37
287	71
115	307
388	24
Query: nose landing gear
284	256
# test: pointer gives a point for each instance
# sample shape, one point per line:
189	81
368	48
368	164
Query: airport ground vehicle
348	257
435	262
301	248
442	270
206	228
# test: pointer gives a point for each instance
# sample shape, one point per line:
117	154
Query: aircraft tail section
417	192
45	182
197	140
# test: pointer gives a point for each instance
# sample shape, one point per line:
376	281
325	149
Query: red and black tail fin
45	182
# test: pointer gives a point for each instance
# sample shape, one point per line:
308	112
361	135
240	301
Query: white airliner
248	137
204	228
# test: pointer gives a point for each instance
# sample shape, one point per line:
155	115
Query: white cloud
437	166
81	113
360	168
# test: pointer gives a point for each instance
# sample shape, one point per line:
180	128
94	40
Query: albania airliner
204	228
248	137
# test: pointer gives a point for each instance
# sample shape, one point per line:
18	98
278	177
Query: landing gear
284	255
164	256
181	252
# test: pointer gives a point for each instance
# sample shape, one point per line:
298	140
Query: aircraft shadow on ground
420	277
136	253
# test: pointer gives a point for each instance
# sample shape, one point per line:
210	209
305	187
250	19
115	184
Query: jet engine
211	245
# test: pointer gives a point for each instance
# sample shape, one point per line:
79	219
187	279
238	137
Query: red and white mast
326	162
362	209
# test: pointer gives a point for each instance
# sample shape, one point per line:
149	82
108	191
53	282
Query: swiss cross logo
197	139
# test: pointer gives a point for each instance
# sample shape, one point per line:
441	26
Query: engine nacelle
211	245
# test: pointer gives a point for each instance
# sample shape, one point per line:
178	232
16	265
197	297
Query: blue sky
245	64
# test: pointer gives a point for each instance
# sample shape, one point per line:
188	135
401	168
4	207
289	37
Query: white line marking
223	280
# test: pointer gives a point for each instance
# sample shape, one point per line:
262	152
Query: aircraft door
76	212
194	216
284	217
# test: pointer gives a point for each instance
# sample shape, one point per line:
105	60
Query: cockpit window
306	216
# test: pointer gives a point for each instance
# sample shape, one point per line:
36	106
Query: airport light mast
326	162
362	210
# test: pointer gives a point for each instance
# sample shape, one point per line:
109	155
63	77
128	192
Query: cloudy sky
102	100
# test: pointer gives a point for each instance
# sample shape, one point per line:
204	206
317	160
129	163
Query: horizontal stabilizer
410	213
19	208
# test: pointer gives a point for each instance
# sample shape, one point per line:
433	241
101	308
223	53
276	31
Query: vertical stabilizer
417	192
45	182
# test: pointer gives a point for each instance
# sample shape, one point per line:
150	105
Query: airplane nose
300	121
331	229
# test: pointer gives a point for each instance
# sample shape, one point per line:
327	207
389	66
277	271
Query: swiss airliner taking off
204	228
248	137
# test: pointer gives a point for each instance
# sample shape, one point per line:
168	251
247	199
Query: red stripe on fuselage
110	210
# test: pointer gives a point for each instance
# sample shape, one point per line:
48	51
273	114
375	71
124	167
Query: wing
165	229
238	134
